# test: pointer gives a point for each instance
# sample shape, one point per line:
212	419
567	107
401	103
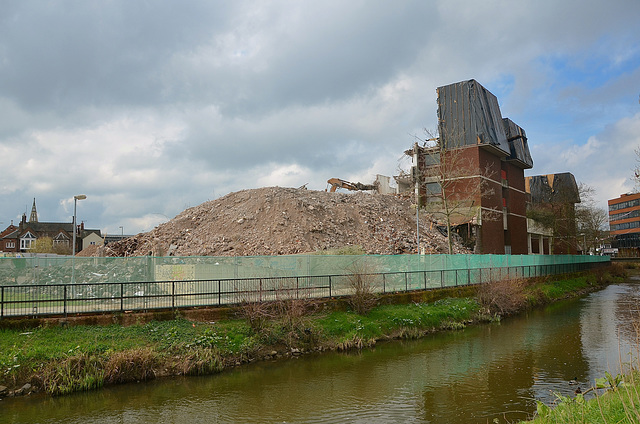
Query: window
10	245
61	240
625	215
27	241
433	189
625	226
624	205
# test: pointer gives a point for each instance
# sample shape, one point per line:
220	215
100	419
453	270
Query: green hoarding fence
39	286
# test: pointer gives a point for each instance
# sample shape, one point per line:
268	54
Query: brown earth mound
281	221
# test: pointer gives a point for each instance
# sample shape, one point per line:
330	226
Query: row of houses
23	237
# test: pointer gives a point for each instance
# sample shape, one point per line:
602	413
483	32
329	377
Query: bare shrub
291	312
503	297
257	314
362	285
618	270
284	318
606	273
294	319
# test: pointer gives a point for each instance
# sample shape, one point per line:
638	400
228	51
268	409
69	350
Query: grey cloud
73	54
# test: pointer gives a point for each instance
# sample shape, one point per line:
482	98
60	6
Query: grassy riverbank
617	401
613	399
61	360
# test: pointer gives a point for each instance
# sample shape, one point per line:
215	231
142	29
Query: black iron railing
38	300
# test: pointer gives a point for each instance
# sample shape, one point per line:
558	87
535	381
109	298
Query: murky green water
470	376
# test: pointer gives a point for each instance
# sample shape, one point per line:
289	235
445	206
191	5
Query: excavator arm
337	183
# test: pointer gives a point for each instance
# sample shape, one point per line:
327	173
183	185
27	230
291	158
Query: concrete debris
282	221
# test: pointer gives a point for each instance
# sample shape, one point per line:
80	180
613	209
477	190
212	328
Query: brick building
552	202
478	163
624	223
22	238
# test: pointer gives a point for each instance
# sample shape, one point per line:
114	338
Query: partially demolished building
552	202
477	165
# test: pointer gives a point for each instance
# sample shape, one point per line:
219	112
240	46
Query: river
468	376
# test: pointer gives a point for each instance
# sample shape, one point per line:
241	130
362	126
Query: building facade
24	237
552	205
624	223
477	164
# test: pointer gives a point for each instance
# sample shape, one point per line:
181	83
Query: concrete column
541	244
529	243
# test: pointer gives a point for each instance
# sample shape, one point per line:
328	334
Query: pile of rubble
281	221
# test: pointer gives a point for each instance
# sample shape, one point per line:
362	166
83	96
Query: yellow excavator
337	183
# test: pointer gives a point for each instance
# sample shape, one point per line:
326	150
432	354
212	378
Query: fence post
406	281
173	295
219	292
121	297
64	301
424	277
384	283
442	278
1	302
329	286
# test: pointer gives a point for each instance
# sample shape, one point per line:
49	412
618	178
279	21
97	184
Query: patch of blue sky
595	67
502	86
582	92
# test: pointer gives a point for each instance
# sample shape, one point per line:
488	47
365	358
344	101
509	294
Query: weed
75	373
130	365
452	325
201	361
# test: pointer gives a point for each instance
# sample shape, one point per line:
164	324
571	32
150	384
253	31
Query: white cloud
605	162
283	175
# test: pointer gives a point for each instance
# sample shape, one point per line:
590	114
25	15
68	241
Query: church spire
34	212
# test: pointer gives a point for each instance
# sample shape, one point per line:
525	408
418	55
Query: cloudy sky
149	107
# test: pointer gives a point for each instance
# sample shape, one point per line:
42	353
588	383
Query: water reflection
468	376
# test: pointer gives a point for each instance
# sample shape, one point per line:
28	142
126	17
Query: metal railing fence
38	300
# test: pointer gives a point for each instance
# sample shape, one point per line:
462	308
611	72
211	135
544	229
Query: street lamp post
75	204
73	262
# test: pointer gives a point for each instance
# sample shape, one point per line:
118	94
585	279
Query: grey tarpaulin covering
469	114
517	143
553	188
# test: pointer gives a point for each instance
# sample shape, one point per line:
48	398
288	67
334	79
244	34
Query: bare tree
591	220
451	183
636	170
570	212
